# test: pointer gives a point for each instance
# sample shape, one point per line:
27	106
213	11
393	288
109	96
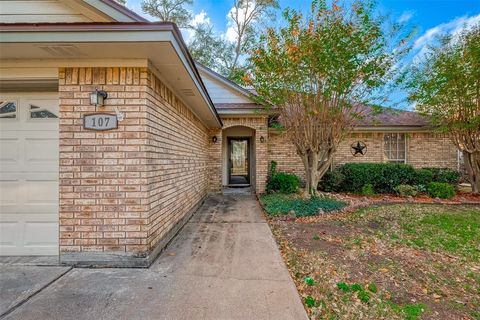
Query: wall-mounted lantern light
214	139
97	97
262	139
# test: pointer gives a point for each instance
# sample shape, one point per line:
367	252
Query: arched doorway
238	154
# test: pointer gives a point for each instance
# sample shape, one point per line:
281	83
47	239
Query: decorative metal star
359	149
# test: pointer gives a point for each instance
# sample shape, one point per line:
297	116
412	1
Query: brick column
215	160
261	150
103	189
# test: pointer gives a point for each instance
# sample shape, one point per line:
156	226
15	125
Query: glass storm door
238	161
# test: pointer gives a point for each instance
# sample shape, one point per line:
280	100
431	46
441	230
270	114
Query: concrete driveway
224	264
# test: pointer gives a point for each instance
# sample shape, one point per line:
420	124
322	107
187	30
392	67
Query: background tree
245	17
210	49
169	10
228	56
445	84
124	2
319	71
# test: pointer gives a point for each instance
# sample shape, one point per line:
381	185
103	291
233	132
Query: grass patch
439	229
409	311
281	204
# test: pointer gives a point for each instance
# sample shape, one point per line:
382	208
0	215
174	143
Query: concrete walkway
224	264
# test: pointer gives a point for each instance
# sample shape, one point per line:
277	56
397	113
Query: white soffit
160	47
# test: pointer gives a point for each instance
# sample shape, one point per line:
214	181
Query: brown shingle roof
370	117
246	106
386	117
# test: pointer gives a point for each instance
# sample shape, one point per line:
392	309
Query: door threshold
239	185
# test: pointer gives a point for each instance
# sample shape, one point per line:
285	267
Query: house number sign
100	121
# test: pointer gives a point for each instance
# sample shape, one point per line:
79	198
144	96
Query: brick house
116	197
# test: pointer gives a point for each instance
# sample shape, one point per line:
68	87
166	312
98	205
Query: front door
239	158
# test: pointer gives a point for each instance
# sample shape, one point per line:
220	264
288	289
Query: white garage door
29	174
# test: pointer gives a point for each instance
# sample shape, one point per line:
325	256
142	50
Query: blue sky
429	17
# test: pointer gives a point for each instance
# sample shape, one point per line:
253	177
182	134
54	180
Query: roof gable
66	11
222	90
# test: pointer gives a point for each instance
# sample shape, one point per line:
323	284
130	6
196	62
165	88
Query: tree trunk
472	165
314	171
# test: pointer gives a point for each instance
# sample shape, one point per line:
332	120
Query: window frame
39	108
386	154
15	101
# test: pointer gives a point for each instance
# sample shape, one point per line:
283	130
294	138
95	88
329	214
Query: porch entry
239	161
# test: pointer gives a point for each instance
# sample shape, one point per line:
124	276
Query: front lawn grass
281	204
388	262
453	231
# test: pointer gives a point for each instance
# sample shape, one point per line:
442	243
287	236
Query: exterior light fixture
214	139
262	139
97	97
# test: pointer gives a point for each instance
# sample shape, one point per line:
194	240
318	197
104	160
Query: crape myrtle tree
445	84
319	70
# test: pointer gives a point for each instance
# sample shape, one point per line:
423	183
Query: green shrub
393	175
281	181
384	177
367	190
284	182
332	181
423	176
280	204
406	190
440	190
444	175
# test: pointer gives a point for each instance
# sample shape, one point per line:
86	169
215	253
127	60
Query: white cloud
197	19
405	17
200	18
231	33
452	27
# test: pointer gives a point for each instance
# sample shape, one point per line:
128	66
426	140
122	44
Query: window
40	112
395	147
8	109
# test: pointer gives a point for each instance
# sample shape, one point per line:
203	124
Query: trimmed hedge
444	175
440	190
383	177
281	181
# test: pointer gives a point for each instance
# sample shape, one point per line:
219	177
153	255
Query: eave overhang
161	43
